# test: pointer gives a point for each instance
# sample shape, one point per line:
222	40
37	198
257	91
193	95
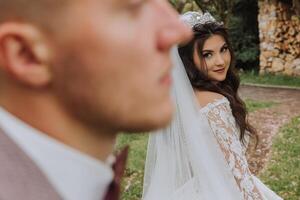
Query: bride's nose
219	60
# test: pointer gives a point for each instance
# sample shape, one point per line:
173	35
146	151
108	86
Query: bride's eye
224	49
207	55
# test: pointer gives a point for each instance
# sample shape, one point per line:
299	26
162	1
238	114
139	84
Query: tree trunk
296	5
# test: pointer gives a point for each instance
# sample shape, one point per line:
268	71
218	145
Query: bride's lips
220	70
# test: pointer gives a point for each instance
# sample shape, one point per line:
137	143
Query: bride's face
215	58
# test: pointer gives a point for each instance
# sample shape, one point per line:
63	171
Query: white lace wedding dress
226	131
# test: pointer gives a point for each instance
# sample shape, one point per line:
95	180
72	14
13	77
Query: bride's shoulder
206	97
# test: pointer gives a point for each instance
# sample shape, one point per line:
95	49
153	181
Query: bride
201	155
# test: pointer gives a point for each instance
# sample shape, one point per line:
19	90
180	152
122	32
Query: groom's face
112	65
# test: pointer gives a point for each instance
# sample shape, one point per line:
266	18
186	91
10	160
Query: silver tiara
192	18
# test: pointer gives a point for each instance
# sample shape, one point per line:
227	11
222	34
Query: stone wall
279	33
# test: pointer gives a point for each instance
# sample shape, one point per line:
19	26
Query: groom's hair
39	12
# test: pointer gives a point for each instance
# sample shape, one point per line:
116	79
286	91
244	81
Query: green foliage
133	181
222	9
183	6
283	171
173	2
243	30
256	105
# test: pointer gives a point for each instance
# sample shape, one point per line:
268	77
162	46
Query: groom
74	73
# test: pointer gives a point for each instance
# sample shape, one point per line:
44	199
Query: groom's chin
153	120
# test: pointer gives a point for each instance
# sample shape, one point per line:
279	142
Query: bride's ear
24	54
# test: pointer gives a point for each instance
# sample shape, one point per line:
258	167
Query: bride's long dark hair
200	81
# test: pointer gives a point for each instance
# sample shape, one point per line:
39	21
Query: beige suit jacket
20	177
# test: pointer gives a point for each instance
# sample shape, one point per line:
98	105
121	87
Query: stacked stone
279	33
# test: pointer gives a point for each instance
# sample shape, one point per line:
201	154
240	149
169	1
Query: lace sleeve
223	125
226	131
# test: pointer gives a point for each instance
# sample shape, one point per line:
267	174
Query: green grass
256	105
133	180
269	79
283	172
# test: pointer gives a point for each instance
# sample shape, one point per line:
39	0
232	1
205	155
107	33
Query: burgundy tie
114	188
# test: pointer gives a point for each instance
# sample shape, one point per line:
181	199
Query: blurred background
265	34
266	38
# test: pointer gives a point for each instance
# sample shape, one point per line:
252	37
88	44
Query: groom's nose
173	30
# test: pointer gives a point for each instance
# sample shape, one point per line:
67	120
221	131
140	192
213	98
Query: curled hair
200	81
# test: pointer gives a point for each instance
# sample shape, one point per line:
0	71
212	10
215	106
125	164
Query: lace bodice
223	125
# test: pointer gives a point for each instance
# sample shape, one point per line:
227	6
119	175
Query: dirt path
268	121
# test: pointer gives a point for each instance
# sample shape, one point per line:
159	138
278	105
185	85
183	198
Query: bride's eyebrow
224	45
210	51
207	51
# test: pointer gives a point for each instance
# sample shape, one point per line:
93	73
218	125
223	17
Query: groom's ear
24	54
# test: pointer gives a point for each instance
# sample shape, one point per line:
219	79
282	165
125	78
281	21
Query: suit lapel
20	178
